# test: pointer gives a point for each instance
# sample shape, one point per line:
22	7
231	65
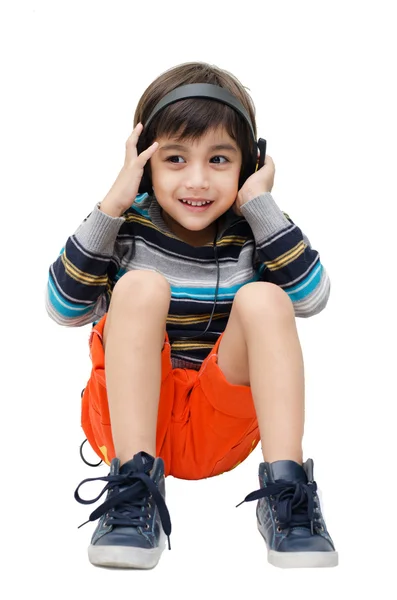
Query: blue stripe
143	213
120	273
62	306
261	269
138	200
307	285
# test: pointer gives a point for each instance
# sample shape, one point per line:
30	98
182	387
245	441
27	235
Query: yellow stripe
130	218
188	319
81	276
191	345
232	239
288	257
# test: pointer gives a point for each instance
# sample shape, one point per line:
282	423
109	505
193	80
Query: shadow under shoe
289	516
133	520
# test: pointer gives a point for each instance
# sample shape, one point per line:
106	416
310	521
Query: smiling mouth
199	207
198	203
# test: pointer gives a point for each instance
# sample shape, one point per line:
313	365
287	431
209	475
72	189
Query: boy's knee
142	285
262	297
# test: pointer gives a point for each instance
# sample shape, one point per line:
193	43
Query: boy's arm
81	279
288	260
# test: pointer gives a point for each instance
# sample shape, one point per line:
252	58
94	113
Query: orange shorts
205	424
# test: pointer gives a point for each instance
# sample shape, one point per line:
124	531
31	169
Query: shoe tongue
288	470
141	462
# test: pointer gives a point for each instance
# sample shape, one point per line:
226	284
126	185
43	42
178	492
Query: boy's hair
188	119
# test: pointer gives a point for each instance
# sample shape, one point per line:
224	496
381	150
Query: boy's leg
260	348
133	520
133	338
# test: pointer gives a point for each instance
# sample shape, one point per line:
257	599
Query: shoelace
293	503
126	506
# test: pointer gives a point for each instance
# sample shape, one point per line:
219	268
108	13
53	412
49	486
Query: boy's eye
169	159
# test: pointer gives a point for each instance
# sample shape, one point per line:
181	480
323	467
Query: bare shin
265	318
133	340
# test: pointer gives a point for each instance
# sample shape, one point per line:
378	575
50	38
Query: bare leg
261	348
133	339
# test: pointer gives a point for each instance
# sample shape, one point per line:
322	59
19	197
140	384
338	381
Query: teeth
196	203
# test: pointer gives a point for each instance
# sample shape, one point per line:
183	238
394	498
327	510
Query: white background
322	76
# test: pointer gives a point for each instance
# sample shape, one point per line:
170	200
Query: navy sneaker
134	518
289	516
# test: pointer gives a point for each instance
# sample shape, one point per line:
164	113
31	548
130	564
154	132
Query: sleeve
80	281
286	257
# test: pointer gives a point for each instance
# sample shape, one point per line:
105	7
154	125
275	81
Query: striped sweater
262	245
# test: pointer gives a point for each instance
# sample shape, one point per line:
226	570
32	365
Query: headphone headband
202	90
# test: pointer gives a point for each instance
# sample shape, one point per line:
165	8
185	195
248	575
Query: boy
187	392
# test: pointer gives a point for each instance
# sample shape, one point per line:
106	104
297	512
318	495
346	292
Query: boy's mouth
197	205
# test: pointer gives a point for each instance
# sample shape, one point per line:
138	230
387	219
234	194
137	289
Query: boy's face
196	172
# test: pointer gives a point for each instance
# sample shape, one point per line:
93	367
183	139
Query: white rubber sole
126	557
301	560
296	560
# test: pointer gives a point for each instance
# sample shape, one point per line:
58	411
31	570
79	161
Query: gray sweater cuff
99	231
264	216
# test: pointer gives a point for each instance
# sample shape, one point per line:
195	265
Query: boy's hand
125	188
258	183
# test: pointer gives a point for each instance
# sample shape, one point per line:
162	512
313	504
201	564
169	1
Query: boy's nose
197	177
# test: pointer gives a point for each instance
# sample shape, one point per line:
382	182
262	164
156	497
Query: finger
133	139
148	153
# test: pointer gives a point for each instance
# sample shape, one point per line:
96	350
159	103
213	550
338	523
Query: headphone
255	161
